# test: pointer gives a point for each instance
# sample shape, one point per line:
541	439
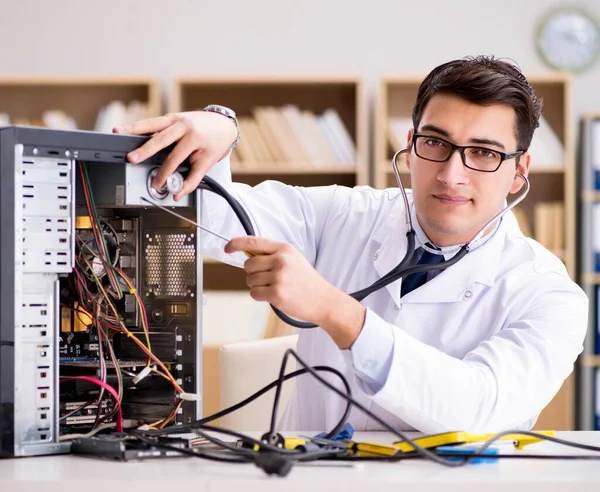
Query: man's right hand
201	135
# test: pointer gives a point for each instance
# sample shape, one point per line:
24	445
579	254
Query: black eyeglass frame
461	149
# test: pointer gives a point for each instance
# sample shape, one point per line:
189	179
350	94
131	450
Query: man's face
454	202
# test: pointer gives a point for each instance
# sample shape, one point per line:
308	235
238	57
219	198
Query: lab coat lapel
463	280
393	242
457	283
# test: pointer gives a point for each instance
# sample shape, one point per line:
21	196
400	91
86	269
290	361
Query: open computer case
100	293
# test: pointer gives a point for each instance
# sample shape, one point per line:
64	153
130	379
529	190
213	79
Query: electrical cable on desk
249	455
180	429
283	455
279	465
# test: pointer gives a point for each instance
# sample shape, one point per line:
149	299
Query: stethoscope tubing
404	268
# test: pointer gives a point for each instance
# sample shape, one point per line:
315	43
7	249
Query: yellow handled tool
455	438
358	448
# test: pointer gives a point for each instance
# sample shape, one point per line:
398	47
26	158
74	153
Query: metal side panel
7	275
43	238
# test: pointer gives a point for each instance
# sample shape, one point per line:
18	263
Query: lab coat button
468	294
396	307
376	256
368	363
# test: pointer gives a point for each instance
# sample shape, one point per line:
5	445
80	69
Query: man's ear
408	146
522	168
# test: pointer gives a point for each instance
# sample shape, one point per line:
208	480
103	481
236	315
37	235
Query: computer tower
95	285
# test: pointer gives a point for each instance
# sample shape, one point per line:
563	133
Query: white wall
169	38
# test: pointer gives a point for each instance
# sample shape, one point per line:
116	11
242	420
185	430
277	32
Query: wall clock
569	39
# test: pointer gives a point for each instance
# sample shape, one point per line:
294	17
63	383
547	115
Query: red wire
108	388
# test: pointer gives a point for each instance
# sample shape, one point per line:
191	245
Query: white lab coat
485	345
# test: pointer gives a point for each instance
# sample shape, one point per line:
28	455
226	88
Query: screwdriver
189	221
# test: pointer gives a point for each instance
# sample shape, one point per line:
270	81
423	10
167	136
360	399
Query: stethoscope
403	269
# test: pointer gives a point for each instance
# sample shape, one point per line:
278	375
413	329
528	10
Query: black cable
195	452
271	459
180	429
280	381
200	425
542	437
277	460
424	452
418	449
251	441
401	270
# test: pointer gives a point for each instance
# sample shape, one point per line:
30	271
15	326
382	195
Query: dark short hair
484	80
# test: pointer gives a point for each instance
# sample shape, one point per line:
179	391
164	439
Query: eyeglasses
477	158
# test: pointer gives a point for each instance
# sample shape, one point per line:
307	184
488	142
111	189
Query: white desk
78	474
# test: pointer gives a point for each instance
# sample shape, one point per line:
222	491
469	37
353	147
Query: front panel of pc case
92	282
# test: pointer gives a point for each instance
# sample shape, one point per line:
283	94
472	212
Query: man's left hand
280	275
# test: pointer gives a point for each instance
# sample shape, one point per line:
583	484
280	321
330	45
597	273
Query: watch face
569	39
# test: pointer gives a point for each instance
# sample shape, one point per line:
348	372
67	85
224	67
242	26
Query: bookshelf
300	130
588	380
550	206
76	102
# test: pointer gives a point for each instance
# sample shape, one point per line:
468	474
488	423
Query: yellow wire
132	290
166	375
131	335
161	423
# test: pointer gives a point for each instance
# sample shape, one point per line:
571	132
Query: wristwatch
229	113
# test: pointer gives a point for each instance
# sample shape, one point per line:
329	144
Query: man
483	345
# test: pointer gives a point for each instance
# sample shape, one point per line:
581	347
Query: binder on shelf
595	235
595	151
589	251
596	318
597	399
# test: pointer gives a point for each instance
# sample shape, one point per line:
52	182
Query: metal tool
201	227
